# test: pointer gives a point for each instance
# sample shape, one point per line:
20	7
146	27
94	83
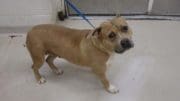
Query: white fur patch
42	80
58	71
108	63
112	89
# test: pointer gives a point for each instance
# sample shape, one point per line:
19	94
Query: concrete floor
149	72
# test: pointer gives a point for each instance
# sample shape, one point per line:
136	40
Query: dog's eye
124	28
112	35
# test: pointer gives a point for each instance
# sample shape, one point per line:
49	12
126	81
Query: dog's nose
126	44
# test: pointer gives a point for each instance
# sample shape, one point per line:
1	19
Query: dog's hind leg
36	66
50	60
37	63
38	60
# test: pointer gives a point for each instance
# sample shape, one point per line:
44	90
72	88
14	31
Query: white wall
27	12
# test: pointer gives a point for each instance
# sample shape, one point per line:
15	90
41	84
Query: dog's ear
97	32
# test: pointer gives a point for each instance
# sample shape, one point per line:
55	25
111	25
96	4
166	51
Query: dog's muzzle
125	44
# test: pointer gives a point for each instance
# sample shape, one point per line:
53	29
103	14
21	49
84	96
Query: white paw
42	80
59	72
112	89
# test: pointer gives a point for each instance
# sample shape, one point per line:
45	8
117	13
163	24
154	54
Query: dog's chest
110	60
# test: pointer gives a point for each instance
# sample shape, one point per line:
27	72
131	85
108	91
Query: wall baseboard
12	21
15	30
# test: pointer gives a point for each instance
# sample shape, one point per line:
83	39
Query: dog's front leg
101	74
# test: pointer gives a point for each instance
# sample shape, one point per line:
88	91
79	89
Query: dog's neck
97	44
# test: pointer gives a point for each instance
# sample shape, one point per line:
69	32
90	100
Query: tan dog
88	48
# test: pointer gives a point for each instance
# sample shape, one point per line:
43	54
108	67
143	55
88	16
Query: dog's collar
89	34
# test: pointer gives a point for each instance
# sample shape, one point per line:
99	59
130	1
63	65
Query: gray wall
160	7
166	7
111	6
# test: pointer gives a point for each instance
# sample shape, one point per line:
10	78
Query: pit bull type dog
87	48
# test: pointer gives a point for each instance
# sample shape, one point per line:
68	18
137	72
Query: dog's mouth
120	51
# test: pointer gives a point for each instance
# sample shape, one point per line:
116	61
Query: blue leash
79	12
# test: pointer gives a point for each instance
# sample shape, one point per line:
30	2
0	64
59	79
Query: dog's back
54	39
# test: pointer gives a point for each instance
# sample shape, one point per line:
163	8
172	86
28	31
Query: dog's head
115	35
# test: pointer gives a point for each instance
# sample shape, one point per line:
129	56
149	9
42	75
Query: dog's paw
59	72
112	89
42	80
